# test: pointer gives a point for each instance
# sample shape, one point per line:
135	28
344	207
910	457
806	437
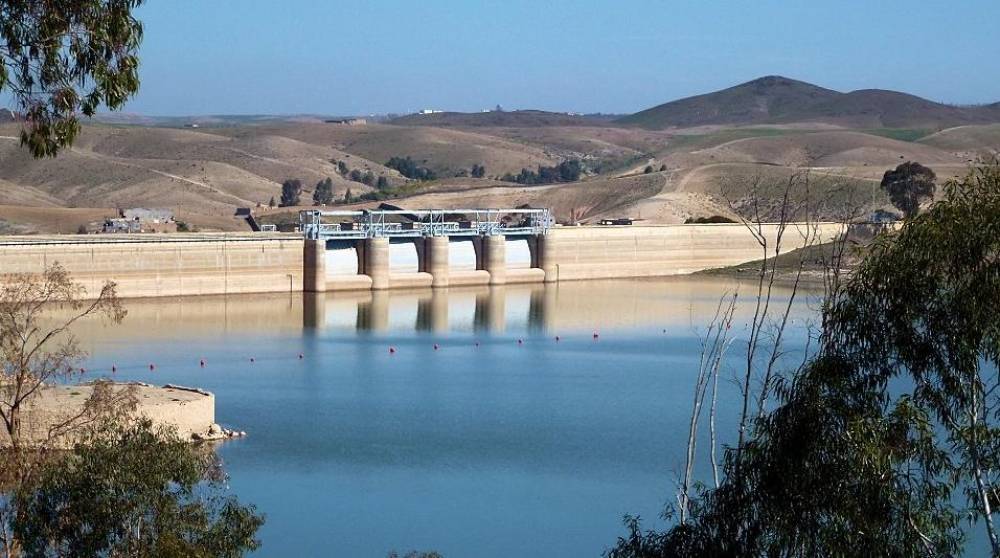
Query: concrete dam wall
203	264
156	265
574	253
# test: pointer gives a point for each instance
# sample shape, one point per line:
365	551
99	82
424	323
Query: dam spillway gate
397	248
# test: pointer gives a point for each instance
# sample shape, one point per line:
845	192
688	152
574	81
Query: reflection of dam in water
679	302
485	309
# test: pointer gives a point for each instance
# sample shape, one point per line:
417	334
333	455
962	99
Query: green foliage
132	491
342	168
61	58
877	437
382	183
610	164
478	171
323	193
291	192
410	169
566	171
908	185
712	219
901	134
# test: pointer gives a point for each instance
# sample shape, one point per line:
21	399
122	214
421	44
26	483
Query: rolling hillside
777	99
664	165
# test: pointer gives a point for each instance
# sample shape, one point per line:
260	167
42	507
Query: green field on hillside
901	134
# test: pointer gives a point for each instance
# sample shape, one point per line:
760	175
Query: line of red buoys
392	350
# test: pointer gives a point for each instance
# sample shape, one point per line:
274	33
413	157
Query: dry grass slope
205	173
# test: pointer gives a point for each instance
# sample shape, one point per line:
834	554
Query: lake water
501	442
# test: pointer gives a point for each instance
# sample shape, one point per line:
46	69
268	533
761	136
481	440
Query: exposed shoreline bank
190	412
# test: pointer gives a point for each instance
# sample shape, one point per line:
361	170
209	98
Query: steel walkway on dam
363	224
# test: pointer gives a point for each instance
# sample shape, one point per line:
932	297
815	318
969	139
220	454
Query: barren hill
777	99
644	167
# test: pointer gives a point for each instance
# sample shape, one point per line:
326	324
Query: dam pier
384	249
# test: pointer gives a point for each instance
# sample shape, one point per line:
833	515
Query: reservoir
500	441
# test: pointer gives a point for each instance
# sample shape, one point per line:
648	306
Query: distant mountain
502	119
778	100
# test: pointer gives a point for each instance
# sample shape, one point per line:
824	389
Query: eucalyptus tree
61	58
133	490
909	185
889	435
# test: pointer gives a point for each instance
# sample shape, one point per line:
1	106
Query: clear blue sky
372	56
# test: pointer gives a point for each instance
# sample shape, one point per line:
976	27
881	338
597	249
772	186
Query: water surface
502	441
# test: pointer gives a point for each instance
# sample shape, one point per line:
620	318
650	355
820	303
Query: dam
393	249
386	249
372	250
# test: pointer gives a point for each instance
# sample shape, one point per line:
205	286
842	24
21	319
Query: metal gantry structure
378	223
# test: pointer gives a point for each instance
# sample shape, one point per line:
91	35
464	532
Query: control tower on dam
384	249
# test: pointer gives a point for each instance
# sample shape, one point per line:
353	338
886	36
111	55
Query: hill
644	167
972	142
778	100
501	119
